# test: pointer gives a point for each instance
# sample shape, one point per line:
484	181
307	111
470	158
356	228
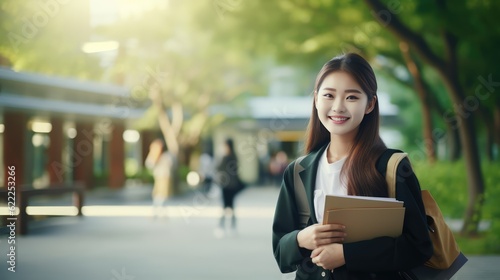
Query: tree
175	60
46	37
448	69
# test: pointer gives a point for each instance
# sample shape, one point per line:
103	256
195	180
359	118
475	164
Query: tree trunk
490	133
496	129
490	143
453	140
465	124
170	130
428	141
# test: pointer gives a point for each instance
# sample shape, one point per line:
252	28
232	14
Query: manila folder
367	223
333	202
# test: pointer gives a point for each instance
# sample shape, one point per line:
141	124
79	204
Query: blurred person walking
160	161
228	179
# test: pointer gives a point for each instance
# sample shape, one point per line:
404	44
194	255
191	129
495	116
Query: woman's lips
338	119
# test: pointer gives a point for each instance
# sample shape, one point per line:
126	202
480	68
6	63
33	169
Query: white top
162	167
327	183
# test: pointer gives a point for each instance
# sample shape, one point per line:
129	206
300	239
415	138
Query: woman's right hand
317	235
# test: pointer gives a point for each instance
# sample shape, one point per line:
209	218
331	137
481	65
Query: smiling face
341	104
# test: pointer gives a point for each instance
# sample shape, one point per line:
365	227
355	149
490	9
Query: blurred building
56	130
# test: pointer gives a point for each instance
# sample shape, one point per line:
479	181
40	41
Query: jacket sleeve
286	226
410	249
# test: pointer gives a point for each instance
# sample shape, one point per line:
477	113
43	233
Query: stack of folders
365	217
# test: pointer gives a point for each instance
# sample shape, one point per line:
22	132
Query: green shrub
447	183
144	175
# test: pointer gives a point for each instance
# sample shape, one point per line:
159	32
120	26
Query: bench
24	194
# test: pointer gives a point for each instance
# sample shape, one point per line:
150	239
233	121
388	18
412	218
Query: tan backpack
446	250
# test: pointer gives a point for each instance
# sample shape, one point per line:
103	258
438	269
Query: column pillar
117	157
83	154
14	152
56	176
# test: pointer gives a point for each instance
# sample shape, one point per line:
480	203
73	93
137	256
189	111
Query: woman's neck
339	148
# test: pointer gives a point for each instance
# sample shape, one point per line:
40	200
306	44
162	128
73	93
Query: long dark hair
230	144
359	167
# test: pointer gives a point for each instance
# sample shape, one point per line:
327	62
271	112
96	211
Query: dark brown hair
230	144
359	167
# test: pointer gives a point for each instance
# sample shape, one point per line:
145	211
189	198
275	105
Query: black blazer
379	258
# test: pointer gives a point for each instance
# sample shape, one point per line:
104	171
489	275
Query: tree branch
398	28
419	85
177	117
450	46
165	125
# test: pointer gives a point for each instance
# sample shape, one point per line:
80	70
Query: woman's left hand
329	256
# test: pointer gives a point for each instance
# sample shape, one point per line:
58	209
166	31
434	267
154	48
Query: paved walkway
122	241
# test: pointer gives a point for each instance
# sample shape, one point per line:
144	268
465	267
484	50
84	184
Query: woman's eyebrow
351	90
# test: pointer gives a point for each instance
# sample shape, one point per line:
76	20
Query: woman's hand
329	256
317	235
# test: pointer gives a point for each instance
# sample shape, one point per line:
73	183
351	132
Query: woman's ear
371	105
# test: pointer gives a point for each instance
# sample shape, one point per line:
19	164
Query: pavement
119	239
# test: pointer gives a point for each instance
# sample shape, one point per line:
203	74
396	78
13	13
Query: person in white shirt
160	162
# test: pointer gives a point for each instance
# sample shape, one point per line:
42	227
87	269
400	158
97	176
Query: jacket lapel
308	176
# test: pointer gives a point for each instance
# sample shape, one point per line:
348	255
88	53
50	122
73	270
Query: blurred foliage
207	52
179	48
408	105
131	167
448	185
143	175
307	33
46	37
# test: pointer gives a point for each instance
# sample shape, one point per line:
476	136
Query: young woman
228	179
344	156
